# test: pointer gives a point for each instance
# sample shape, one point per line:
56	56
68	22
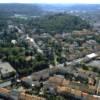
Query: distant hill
38	9
26	9
66	7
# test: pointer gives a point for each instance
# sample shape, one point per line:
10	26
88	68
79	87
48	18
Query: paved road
4	84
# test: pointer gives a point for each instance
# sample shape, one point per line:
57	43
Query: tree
85	67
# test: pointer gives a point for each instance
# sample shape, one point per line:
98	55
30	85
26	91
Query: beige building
6	70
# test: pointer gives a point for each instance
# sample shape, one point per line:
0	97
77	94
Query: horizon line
47	3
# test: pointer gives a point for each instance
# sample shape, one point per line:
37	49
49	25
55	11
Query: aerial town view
49	50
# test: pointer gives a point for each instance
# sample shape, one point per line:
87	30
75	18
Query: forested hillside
59	23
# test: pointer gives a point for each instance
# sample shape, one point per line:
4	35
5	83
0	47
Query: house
63	89
4	90
29	83
6	94
40	75
91	81
52	85
94	64
98	88
58	80
24	96
6	70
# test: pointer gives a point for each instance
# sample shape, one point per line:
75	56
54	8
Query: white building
14	42
92	55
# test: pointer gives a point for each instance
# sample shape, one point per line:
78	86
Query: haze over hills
37	9
14	8
64	7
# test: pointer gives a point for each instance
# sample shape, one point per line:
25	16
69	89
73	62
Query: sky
52	1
